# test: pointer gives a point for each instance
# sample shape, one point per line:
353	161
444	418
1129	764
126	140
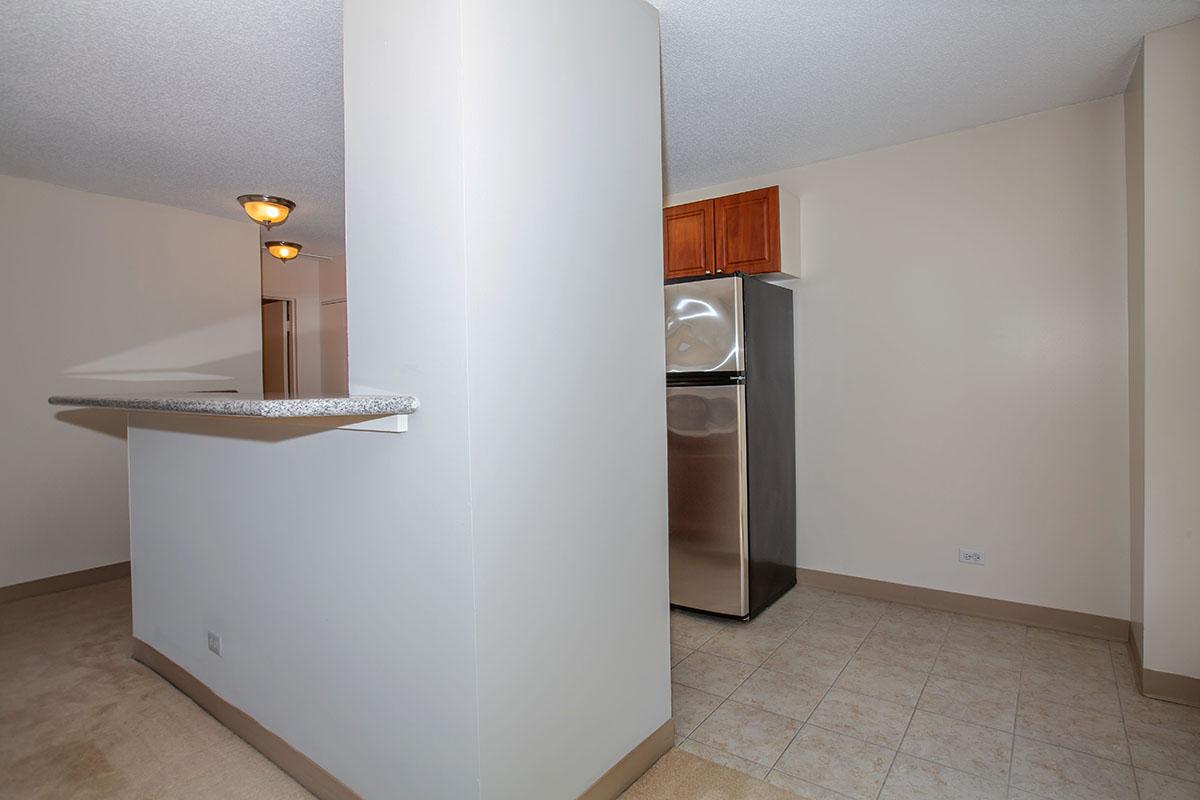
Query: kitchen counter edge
233	405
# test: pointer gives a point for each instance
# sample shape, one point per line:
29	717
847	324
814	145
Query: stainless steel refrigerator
731	465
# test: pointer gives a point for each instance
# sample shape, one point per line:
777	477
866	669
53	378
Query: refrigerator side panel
704	325
706	488
771	441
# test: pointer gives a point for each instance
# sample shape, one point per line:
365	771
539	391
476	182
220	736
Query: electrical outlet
971	557
214	643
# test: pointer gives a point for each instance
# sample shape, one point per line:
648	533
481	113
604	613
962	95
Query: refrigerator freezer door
706	479
704	326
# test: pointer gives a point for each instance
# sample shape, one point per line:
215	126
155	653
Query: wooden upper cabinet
753	232
747	231
688	240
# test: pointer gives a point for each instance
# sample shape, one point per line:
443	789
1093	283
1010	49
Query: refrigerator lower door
706	479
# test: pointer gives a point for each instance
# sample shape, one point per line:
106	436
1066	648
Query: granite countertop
230	404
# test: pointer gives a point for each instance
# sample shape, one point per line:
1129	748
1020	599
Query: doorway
279	346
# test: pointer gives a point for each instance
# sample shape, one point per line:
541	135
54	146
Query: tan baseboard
1170	686
1135	656
1163	685
635	763
61	583
303	769
1057	619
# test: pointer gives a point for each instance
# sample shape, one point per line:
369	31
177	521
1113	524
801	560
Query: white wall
355	603
299	280
101	296
961	360
567	416
1171	63
342	597
407	327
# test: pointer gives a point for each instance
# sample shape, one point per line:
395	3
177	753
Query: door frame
292	353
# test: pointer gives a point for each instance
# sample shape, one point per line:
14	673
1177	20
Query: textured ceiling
191	104
751	86
184	103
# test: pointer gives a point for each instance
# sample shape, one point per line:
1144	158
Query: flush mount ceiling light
284	251
266	210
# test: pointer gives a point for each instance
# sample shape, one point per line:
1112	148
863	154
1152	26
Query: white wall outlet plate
971	557
214	643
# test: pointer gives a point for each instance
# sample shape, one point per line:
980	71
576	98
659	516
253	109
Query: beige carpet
79	719
679	775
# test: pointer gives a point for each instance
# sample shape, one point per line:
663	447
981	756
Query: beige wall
1171	97
961	360
1136	225
103	294
299	280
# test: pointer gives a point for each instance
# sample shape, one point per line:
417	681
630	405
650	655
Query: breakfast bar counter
388	413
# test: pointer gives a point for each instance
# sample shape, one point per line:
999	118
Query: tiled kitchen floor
835	696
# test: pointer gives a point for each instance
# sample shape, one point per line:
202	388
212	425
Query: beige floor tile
880	679
1008	632
973	640
1152	786
963	746
926	623
867	718
750	645
1149	711
797	658
933	632
747	732
1122	665
802	599
724	759
679	653
1020	794
899	649
712	674
843	764
1039	637
902	611
829	636
693	630
1079	691
1061	774
1100	735
983	705
690	707
781	693
851	616
998	673
1053	652
800	592
914	779
784	615
1166	751
803	790
859	601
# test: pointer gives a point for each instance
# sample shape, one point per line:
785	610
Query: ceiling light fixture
267	210
284	251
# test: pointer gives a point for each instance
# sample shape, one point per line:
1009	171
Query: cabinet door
747	231
688	239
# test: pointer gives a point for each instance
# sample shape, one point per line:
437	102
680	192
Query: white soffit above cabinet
192	104
753	86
